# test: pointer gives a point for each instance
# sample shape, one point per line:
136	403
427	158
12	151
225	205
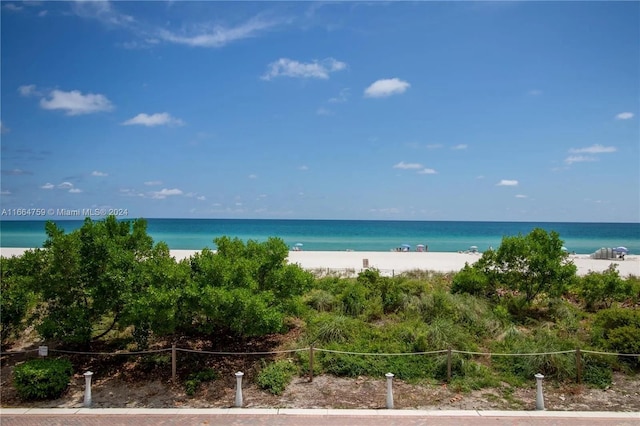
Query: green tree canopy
528	265
246	289
87	275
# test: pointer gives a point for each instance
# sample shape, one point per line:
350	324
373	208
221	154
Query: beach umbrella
406	245
474	247
621	249
299	244
563	248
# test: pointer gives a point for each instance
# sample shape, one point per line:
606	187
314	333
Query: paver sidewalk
291	417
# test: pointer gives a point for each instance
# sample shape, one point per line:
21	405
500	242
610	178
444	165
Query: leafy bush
601	289
470	280
276	376
42	378
596	370
618	329
194	380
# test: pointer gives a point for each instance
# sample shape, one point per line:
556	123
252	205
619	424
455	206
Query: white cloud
205	35
75	103
252	176
12	7
323	111
3	128
594	149
218	36
65	185
303	167
164	193
48	186
460	147
97	173
75	190
28	90
103	12
389	210
427	172
201	198
42	13
579	159
16	172
624	116
535	92
153	183
434	146
386	87
158	119
5	192
285	67
507	182
521	196
343	96
407	166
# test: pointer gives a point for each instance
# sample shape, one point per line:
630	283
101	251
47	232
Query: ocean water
358	235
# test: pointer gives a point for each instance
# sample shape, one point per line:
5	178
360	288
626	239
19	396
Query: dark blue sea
358	235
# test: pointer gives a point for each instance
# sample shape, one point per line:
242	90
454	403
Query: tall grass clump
321	300
333	328
560	366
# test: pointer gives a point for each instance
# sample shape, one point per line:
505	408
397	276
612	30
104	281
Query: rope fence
44	350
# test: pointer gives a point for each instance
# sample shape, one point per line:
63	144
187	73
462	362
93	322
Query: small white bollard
87	388
389	377
239	375
539	396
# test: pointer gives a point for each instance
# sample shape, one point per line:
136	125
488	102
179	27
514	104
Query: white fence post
239	375
539	396
389	377
87	388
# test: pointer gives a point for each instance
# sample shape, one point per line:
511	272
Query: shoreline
398	262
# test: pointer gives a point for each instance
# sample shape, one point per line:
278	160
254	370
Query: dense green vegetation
42	378
109	279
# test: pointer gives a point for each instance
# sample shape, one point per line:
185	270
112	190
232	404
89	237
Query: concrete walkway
315	417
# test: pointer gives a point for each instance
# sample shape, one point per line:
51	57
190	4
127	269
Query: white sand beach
397	262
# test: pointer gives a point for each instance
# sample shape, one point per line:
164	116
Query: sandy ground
338	393
390	262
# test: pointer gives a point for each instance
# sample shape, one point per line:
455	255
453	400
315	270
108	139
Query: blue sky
516	111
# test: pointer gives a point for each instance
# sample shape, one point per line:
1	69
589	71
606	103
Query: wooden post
173	362
311	363
578	366
449	365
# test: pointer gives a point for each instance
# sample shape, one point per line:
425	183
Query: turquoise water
359	235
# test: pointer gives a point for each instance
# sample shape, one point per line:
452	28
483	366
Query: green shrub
42	378
354	299
470	280
321	300
601	289
596	370
618	329
194	380
275	377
